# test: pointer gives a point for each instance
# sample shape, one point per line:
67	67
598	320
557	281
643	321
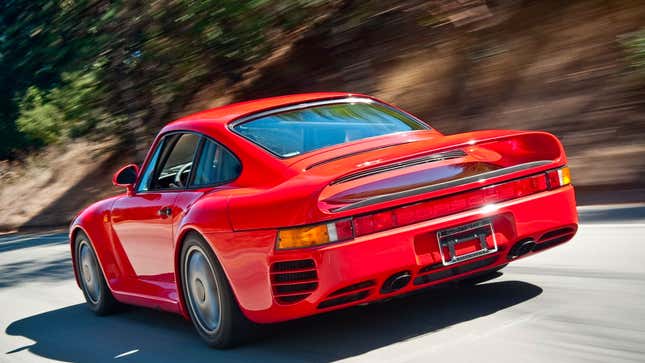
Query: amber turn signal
315	235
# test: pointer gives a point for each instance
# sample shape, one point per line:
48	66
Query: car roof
205	120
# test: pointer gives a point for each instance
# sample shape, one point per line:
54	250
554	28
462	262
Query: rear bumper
354	272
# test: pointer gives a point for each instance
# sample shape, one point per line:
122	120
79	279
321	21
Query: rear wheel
97	294
209	299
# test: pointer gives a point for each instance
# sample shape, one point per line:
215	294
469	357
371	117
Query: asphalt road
581	302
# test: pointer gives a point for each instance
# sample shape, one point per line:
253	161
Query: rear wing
512	154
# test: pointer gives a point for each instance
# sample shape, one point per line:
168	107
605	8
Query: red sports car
284	207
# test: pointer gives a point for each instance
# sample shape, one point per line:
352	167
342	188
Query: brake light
371	223
443	206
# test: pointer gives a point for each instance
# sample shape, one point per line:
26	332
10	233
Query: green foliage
39	118
78	66
69	110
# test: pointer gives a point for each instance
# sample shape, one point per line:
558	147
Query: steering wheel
181	171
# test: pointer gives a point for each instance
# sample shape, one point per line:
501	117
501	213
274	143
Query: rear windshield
299	131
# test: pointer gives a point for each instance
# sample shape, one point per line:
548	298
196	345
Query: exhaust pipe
396	282
521	248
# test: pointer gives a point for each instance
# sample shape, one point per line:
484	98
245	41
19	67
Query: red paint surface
138	249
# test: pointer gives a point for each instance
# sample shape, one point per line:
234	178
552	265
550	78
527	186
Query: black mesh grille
287	289
292	265
295	276
293	281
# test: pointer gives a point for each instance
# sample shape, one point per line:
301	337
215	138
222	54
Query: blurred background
85	85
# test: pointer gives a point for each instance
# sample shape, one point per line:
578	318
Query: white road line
613	225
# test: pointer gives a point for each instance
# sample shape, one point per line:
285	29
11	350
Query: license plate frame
451	237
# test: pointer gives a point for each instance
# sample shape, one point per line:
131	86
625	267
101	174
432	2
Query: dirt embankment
533	65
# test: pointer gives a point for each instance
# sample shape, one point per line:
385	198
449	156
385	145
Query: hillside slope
529	65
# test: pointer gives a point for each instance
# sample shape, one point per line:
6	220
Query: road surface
581	302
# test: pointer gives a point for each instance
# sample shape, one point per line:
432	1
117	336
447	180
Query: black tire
233	327
98	297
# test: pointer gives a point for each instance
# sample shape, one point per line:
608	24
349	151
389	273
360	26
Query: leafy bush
39	119
70	67
69	110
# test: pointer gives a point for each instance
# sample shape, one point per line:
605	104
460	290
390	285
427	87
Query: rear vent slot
295	276
453	154
348	294
354	287
454	271
345	299
293	265
554	238
556	233
293	281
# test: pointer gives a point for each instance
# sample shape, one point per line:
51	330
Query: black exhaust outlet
521	248
396	282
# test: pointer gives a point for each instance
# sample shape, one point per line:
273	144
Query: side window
176	162
216	165
144	184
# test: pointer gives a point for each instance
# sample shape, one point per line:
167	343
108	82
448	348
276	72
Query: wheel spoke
89	271
203	293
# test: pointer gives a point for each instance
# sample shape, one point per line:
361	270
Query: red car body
399	195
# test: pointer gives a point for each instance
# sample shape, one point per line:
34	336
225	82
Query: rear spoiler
449	184
516	152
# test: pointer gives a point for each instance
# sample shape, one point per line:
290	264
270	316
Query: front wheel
97	294
209	298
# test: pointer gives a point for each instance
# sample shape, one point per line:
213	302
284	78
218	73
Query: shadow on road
139	335
613	215
32	270
16	241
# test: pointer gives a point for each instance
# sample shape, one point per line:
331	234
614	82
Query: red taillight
374	223
347	229
344	229
444	206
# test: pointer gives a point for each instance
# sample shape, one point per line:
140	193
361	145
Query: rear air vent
554	238
293	281
453	154
345	299
454	271
347	294
556	233
350	288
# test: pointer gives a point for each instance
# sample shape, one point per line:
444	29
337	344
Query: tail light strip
349	228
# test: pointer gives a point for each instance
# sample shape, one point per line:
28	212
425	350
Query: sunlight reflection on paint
489	208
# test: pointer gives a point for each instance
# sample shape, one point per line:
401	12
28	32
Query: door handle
165	212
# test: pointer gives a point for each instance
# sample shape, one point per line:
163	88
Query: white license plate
466	242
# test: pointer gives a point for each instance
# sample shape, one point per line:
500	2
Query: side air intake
293	281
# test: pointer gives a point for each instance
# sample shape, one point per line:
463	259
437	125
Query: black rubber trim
444	185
